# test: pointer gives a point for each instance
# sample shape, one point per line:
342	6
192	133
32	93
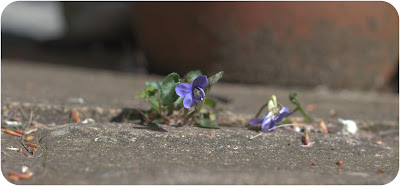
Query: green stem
308	118
293	99
170	109
160	108
261	109
185	115
197	109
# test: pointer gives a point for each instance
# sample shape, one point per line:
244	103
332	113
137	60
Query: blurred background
335	45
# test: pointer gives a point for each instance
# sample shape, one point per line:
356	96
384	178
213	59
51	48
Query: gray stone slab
125	153
107	152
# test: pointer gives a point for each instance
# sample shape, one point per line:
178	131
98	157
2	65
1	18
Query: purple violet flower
269	122
192	93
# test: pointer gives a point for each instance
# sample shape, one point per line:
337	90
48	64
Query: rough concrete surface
107	152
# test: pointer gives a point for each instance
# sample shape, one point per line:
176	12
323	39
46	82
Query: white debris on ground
88	120
24	169
76	100
297	129
12	122
349	126
12	148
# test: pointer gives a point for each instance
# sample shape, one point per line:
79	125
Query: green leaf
292	97
157	120
154	103
168	94
215	78
152	88
192	75
209	102
151	91
206	123
178	103
153	84
212	80
141	95
203	111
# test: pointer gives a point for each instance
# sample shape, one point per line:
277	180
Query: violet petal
266	125
200	82
272	127
282	113
188	101
183	89
256	121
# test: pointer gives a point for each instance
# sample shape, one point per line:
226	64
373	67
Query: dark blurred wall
96	21
85	34
351	45
343	45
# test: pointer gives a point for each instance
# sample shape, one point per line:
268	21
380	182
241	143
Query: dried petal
31	130
381	171
24	153
8	131
340	163
34	150
324	129
12	177
31	145
378	142
14	118
75	117
29	138
20	176
19	132
306	138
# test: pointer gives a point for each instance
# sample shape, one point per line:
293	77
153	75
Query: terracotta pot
339	44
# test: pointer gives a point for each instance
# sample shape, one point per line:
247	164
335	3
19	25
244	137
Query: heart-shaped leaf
168	94
215	78
192	75
212	80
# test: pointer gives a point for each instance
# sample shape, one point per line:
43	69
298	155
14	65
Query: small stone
313	164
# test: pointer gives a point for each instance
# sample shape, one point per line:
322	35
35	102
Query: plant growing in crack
178	101
276	114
